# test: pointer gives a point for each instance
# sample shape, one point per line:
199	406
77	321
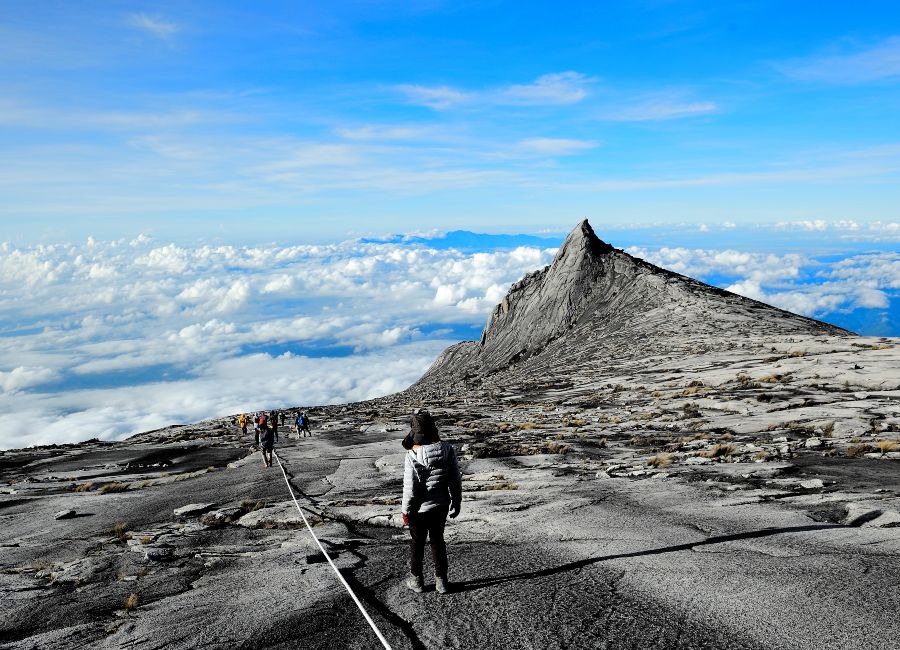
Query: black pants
429	525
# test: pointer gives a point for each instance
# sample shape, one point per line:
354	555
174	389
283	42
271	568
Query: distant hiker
432	489
273	423
256	422
242	423
267	437
303	425
281	414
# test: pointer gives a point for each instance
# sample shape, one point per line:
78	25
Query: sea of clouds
107	338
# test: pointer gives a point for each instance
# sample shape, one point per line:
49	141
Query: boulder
65	514
887	519
812	484
860	513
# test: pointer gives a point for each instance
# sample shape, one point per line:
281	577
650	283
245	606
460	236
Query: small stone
159	553
193	509
812	484
812	443
65	514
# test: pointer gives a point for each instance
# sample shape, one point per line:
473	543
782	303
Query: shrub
131	602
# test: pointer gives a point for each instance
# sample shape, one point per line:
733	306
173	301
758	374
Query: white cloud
559	88
156	26
22	377
658	109
436	97
556	146
881	61
167	319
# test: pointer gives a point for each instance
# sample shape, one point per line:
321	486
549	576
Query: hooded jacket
431	478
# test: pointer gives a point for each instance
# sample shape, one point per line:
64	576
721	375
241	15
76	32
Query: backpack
263	421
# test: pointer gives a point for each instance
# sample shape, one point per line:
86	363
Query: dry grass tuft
113	487
762	454
797	353
120	531
770	379
527	426
84	487
854	451
884	446
719	451
132	602
574	422
660	460
251	505
828	429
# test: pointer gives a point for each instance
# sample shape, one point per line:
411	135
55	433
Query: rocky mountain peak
582	241
593	297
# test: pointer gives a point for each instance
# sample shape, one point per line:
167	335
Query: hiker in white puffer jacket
432	489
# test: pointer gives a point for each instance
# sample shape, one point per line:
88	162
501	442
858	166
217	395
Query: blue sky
314	121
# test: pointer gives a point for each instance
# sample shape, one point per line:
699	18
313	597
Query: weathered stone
65	514
813	443
860	513
887	519
193	509
159	553
812	484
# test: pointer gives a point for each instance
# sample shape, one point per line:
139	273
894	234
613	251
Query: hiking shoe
415	583
441	585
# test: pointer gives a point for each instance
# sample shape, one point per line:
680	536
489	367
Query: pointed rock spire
543	305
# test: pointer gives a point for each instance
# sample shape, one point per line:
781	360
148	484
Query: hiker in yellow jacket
242	423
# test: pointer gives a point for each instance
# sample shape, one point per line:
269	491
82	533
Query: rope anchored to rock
330	561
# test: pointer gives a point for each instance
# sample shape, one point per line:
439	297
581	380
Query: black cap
423	429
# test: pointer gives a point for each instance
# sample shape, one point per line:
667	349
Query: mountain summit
593	293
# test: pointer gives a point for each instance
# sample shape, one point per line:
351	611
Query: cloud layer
106	338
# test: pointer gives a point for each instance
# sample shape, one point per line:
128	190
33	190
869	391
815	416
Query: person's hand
405	518
454	513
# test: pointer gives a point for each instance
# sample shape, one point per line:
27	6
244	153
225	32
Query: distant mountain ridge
468	241
593	291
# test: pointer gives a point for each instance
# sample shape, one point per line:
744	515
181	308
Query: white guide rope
330	561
